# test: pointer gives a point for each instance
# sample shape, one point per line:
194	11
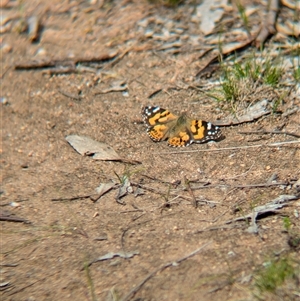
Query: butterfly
178	130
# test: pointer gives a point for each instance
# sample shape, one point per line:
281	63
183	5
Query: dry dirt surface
166	229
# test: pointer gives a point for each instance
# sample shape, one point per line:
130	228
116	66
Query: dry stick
67	62
241	186
119	58
13	219
159	180
115	89
4	72
160	269
230	148
268	26
79	197
73	96
270	132
218	228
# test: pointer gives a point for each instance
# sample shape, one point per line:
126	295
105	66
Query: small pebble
6	48
3	100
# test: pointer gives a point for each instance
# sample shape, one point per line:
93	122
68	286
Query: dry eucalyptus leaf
97	150
89	147
102	189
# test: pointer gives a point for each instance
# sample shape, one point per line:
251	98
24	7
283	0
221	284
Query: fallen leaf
101	190
89	147
124	189
111	255
97	150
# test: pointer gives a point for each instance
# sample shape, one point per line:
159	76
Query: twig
260	185
218	228
73	96
111	255
13	219
172	263
176	183
60	70
119	58
73	198
272	206
276	144
154	93
270	132
4	72
241	186
113	89
66	62
268	26
133	210
137	217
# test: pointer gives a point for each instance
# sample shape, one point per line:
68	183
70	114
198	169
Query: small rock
6	48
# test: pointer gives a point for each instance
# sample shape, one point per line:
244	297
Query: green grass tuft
296	74
274	275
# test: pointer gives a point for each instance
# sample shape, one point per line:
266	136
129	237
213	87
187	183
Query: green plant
287	223
274	274
272	72
244	81
296	74
242	12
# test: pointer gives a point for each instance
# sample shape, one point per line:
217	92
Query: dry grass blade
270	132
276	144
